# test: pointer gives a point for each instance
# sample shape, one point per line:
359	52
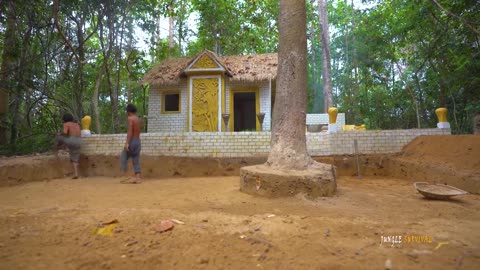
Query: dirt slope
453	160
461	151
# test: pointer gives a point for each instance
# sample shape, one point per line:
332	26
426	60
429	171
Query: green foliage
393	64
399	61
231	27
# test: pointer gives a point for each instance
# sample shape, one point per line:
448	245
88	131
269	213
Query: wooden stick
355	144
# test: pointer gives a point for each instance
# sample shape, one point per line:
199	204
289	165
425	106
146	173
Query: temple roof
240	68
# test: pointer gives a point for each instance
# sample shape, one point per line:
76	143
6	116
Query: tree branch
468	24
57	26
93	31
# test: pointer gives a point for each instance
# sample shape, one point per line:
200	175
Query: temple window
171	102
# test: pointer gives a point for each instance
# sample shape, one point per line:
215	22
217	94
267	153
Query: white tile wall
322	118
167	122
250	144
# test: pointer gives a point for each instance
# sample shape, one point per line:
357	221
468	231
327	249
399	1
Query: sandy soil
50	224
452	160
461	152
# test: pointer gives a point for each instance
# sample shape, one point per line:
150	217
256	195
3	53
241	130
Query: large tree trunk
326	65
288	142
289	169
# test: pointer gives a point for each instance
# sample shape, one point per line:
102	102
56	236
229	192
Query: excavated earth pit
47	221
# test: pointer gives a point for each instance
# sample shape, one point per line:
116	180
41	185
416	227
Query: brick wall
322	118
368	141
251	144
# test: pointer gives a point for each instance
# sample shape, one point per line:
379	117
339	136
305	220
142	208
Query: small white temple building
199	93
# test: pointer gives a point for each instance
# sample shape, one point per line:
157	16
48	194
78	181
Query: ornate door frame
190	98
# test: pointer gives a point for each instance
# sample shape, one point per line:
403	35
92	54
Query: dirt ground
50	225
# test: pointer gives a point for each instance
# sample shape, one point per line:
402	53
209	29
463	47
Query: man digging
132	146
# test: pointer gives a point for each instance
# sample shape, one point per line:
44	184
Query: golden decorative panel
205	104
204	62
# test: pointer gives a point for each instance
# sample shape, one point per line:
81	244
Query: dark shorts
74	145
133	152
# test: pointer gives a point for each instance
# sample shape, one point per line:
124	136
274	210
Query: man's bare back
71	138
71	129
134	126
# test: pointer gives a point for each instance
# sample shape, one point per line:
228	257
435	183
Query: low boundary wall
255	144
322	119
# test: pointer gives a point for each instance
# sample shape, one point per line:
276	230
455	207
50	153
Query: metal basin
437	191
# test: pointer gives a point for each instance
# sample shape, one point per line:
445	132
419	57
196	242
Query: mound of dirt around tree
448	159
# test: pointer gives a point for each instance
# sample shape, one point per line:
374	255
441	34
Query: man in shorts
71	138
132	146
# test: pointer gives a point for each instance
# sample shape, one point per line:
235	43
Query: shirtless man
132	146
71	138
